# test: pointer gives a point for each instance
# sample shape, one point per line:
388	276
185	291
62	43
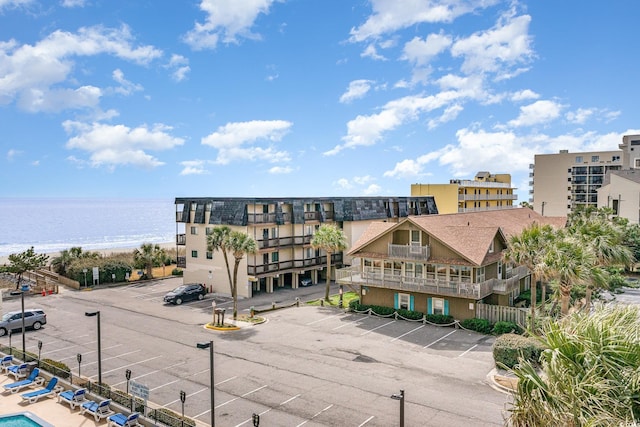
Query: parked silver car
34	318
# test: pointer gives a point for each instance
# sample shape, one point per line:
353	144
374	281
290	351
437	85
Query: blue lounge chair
49	391
98	410
73	398
32	380
18	371
5	362
121	420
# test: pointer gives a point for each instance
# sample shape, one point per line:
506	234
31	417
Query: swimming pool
23	419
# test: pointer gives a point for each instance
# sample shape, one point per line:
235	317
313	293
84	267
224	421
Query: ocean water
53	224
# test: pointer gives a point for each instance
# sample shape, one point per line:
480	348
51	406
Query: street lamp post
39	351
400	397
90	314
209	345
341	292
23	289
84	270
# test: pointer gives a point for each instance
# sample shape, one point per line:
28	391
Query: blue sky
162	98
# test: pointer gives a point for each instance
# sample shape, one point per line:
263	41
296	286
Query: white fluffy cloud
356	90
29	71
393	15
420	52
367	130
234	141
539	112
193	167
226	20
116	145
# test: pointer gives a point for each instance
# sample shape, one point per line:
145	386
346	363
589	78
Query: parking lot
312	366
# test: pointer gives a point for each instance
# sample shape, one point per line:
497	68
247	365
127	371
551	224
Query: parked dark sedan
188	292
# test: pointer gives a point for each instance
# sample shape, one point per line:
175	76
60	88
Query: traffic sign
140	390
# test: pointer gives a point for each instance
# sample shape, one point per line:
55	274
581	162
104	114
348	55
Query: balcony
375	279
409	252
292	265
181	239
181	262
312	216
268	218
284	241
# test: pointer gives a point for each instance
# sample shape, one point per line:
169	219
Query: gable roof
468	234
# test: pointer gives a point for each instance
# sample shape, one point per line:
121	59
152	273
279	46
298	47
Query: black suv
186	292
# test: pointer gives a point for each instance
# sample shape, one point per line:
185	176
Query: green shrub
353	304
410	314
479	325
58	369
504	327
440	319
176	272
170	418
508	349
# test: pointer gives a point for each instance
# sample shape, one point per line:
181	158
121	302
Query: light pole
341	292
84	270
209	345
90	314
400	397
10	348
23	289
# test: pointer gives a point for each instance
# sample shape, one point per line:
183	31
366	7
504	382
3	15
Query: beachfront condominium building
485	192
283	229
565	181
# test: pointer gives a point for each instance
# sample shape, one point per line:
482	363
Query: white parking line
130	364
188	395
261	413
376	328
164	385
236	398
324	318
441	338
113	357
306	421
367	420
468	351
89	352
347	324
150	373
407	333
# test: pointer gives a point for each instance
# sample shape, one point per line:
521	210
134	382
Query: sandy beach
167	245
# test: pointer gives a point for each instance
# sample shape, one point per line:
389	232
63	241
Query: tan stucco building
485	192
282	228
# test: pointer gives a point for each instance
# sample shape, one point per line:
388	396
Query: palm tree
239	244
528	249
606	238
571	262
587	374
217	241
331	239
148	255
225	240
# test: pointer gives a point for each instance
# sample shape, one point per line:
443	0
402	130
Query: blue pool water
23	419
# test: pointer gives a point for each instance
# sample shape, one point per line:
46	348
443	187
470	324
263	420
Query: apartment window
615	158
499	269
274	233
194	254
309	253
491	247
275	256
194	230
465	274
404	301
208	231
636	163
595	158
265	259
209	255
578	159
479	274
438	305
415	237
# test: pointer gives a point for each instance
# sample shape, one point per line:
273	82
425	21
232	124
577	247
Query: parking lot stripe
368	419
407	333
244	395
88	352
188	395
347	324
376	328
164	385
439	339
130	364
323	319
306	421
468	350
150	373
109	358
